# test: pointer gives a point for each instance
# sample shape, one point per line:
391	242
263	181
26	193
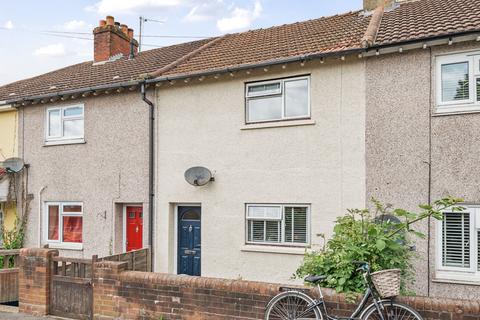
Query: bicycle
296	305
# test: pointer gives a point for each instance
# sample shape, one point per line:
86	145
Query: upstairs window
65	123
458	83
458	244
278	224
276	100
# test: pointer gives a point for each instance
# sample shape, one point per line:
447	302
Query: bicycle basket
387	282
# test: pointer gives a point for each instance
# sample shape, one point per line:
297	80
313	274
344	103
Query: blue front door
189	240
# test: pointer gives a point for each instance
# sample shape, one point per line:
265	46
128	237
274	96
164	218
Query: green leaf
380	244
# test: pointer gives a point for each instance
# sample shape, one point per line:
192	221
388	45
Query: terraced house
296	123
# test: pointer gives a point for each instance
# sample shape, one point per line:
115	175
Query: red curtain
53	222
72	229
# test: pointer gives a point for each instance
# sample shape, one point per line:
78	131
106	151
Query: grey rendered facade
404	135
104	173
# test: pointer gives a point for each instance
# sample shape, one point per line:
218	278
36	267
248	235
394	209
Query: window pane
456	240
53	221
269	88
73	128
272	231
478	248
265	212
256	230
72	229
455	82
296	98
261	109
71	112
54	129
296	224
478	88
72	209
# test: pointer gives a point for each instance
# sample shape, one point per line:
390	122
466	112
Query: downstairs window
278	224
64	223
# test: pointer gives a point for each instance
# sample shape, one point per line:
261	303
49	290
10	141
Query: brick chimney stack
369	5
112	38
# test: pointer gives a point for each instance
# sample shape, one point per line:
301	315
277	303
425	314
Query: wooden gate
71	294
9	275
71	288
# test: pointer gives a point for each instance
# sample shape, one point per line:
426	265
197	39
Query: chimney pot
117	24
110	21
124	29
130	33
102	23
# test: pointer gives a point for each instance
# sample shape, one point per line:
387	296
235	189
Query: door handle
190	252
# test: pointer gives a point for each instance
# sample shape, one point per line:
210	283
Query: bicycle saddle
315	279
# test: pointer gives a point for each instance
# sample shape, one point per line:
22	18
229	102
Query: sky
41	36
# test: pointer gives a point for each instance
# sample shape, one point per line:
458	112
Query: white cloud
74	25
137	6
206	11
8	25
240	18
53	50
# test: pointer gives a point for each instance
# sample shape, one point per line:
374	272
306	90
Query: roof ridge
371	33
182	59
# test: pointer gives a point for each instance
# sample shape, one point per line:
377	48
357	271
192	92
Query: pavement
8	313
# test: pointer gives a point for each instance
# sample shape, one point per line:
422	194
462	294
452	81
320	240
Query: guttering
151	194
71	92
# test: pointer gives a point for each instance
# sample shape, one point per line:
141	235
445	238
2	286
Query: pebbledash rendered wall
109	169
319	162
400	95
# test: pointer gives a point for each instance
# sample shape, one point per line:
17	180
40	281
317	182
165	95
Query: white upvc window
458	237
65	124
63	224
275	100
458	83
278	224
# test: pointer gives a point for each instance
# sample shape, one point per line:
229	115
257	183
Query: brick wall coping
38	252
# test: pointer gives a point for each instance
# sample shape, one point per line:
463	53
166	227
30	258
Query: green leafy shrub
362	235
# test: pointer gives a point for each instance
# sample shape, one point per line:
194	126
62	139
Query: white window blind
278	224
456	239
455	81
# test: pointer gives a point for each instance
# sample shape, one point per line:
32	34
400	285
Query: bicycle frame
369	293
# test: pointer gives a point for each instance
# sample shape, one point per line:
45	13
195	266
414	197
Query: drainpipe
40	216
151	194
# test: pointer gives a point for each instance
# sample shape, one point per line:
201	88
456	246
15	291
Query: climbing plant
382	237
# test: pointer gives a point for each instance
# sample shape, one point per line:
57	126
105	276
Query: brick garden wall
123	294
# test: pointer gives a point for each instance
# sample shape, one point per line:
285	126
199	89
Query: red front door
134	228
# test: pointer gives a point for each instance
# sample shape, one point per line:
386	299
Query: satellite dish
198	176
13	165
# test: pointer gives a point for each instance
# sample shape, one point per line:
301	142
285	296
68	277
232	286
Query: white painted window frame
61	139
59	243
282	243
471	274
461	106
281	92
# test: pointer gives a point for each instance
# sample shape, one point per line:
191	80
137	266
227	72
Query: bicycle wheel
391	311
292	305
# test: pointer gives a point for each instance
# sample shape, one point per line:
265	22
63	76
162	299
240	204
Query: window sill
456	278
66	246
63	142
278	124
457	109
274	249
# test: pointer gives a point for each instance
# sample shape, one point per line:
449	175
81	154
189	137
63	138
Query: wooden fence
9	275
138	260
